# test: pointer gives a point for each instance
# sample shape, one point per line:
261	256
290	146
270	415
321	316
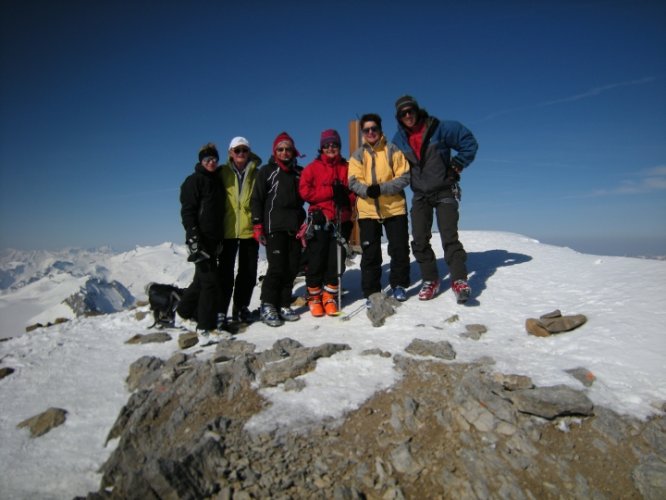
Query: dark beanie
208	150
406	101
329	136
371	117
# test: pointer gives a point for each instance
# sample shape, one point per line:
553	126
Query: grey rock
300	362
230	348
551	402
382	307
403	461
654	434
650	478
376	352
474	331
187	340
513	382
610	425
296	385
149	338
44	422
5	371
441	349
583	375
144	372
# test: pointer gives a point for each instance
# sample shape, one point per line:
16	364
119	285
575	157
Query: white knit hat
239	141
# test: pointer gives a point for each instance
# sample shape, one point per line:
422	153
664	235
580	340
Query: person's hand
196	252
318	218
340	195
259	234
192	244
373	191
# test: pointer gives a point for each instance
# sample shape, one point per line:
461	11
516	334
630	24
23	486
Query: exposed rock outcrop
446	430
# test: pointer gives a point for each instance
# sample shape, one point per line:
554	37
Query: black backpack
163	300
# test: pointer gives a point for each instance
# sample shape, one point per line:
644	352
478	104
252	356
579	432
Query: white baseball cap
239	141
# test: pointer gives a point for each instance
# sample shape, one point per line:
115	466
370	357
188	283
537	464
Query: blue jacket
433	173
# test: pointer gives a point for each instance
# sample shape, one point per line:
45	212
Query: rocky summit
444	430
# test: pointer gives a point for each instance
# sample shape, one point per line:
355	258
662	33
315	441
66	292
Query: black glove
340	195
197	253
318	218
192	242
373	191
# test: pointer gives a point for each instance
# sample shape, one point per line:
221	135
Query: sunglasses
331	145
240	150
408	111
370	130
283	150
208	159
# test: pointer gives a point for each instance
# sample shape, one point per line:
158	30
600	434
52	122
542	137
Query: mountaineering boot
270	316
314	302
329	297
242	314
399	293
288	314
429	290
462	291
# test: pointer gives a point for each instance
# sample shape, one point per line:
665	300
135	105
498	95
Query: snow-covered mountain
81	365
42	286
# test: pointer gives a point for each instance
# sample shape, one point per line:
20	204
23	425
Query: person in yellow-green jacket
238	175
378	175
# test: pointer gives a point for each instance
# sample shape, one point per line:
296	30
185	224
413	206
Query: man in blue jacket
428	144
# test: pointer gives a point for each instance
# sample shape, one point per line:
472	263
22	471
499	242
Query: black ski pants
283	252
247	250
200	300
322	256
446	210
397	234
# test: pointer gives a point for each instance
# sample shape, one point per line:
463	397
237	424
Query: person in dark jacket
324	186
277	214
428	144
202	212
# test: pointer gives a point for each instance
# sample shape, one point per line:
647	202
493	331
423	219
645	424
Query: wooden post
354	144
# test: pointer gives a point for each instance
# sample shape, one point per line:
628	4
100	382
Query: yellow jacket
382	164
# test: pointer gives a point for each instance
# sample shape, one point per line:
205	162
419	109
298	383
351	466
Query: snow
81	365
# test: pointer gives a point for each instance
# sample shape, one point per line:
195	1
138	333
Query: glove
259	234
196	253
456	165
340	195
373	191
318	218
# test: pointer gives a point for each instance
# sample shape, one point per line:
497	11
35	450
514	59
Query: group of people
229	210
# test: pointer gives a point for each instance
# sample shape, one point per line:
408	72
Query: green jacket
237	214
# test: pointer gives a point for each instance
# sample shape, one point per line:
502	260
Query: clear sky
104	105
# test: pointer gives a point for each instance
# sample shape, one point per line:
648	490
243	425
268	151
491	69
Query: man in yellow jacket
238	176
379	174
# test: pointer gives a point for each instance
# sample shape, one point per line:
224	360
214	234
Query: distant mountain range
42	286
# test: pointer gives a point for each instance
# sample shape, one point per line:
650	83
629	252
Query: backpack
163	300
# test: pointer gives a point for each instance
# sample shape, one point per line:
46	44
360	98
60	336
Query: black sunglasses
331	145
369	130
408	111
284	150
240	150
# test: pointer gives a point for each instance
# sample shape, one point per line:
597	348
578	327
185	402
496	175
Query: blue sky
104	105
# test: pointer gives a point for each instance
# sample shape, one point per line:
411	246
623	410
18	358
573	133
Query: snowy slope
41	281
81	365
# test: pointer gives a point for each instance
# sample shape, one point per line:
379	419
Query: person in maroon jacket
324	186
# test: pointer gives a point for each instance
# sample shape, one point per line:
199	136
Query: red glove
259	234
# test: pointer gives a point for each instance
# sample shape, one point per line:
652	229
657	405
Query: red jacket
316	186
